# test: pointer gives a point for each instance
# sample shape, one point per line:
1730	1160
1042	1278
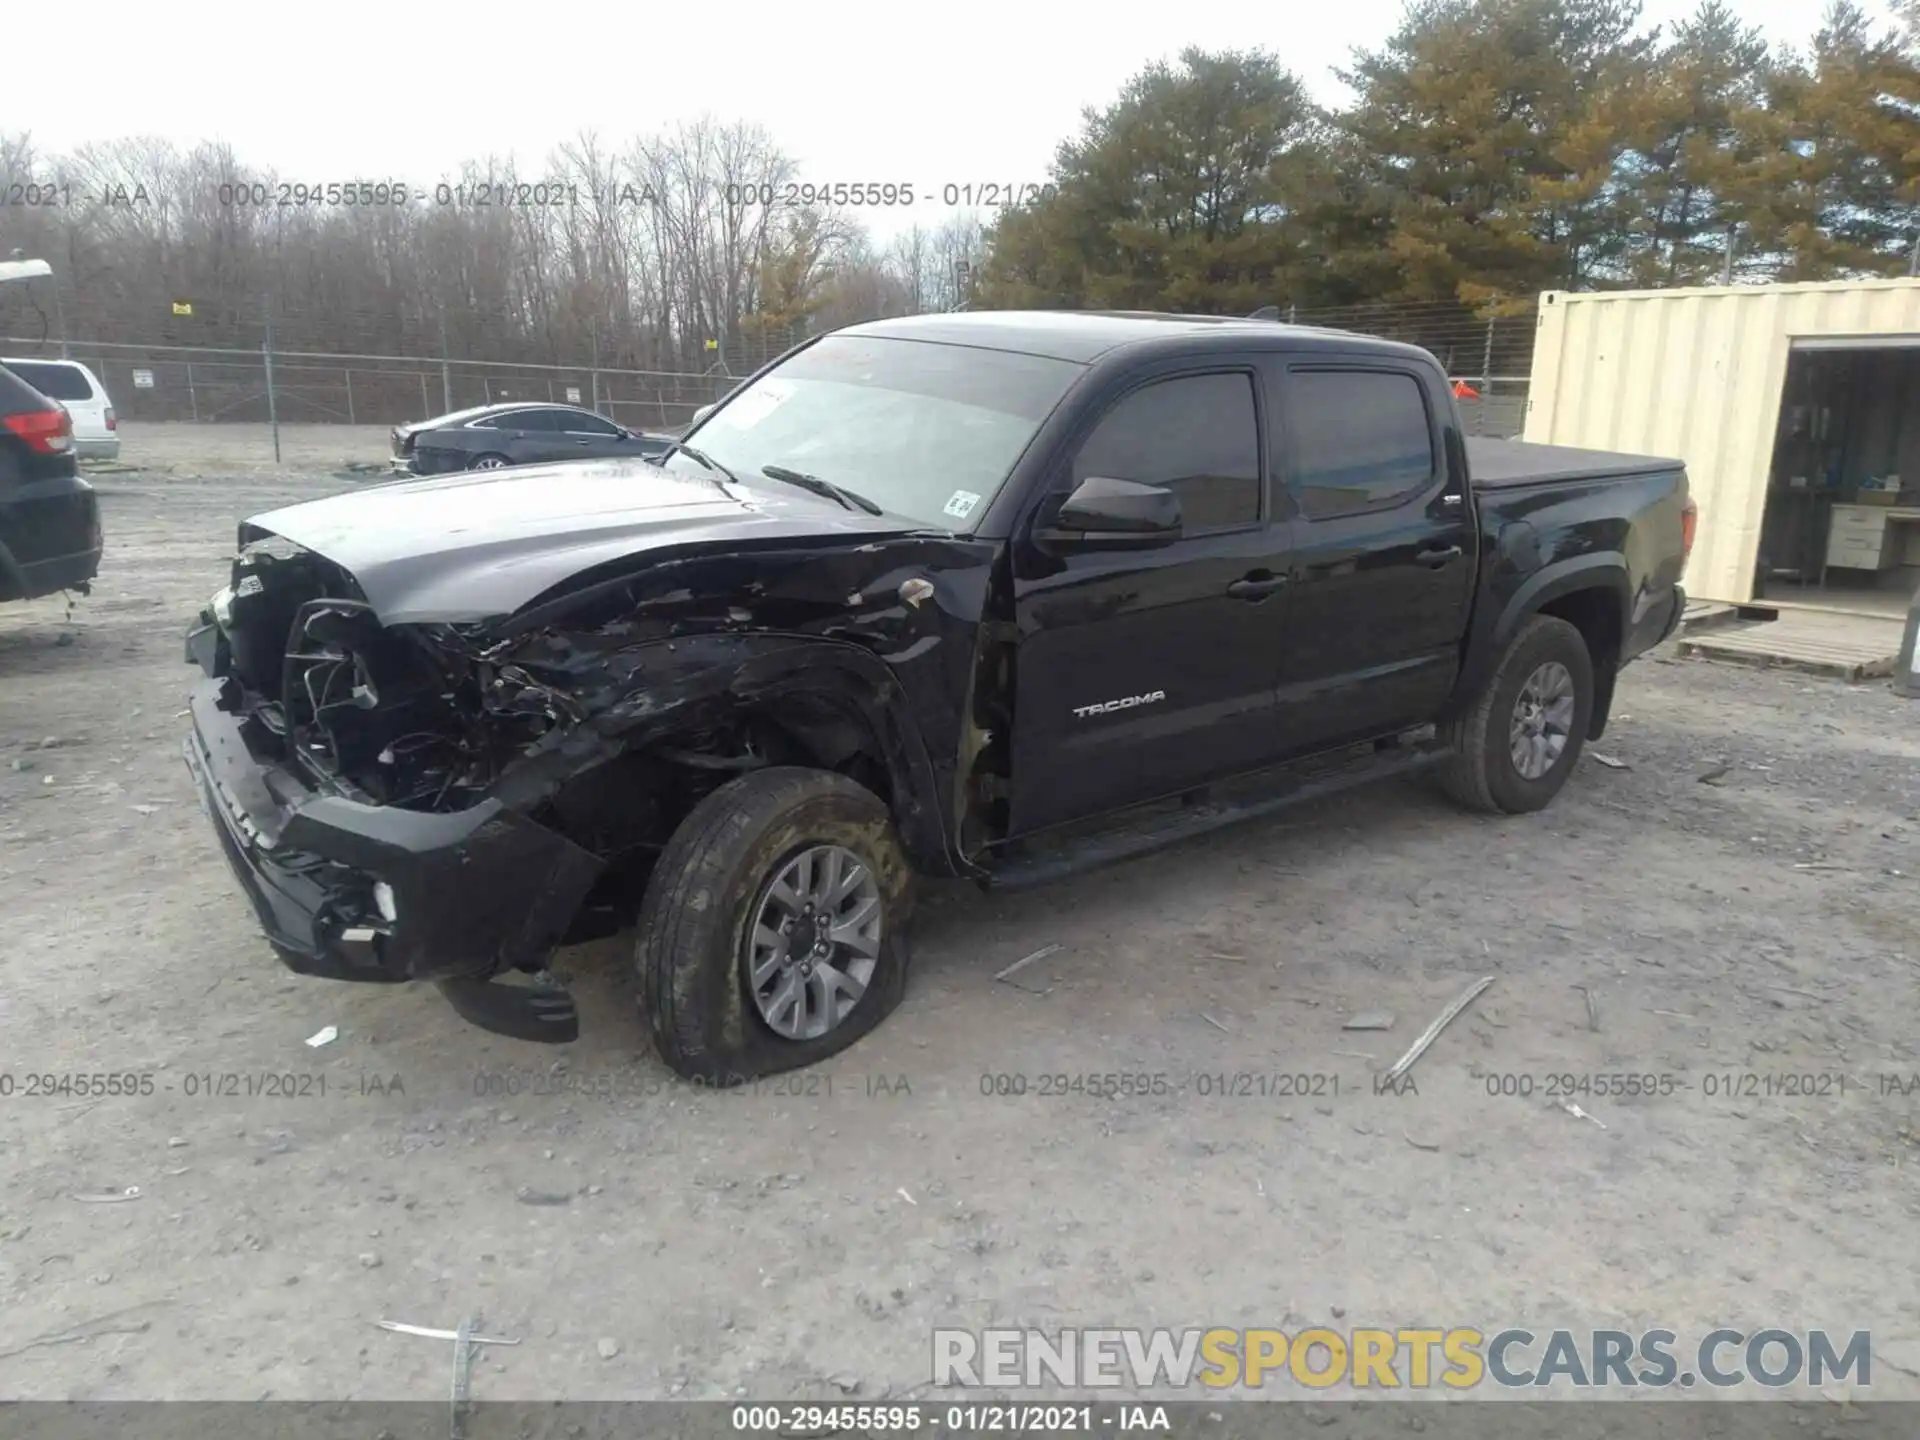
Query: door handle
1256	587
1434	559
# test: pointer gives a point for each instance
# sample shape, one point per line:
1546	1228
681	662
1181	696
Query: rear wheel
773	933
1514	749
489	462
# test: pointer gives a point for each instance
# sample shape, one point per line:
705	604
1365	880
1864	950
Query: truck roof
1082	336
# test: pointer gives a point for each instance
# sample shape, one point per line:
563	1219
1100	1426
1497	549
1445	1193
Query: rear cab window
1358	439
54	380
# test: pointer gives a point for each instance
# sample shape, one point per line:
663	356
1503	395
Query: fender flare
1604	570
865	684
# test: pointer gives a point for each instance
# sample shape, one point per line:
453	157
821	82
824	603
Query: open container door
1841	524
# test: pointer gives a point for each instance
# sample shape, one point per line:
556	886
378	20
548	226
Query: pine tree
1846	181
1493	125
1690	172
1180	195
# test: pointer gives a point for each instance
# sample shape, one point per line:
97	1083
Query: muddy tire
780	893
1513	750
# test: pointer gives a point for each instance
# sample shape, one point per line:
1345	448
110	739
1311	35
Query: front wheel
773	932
1514	749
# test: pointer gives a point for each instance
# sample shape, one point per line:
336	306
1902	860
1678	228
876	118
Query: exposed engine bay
435	717
409	716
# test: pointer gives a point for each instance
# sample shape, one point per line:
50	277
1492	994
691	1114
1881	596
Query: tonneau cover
1497	463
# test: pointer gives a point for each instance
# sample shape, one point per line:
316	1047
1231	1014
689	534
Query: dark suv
49	517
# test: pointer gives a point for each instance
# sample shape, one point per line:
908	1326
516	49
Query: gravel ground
226	452
803	1238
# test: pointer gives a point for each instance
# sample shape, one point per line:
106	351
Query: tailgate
89	418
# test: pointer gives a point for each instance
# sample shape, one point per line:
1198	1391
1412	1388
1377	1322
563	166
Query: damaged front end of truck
409	798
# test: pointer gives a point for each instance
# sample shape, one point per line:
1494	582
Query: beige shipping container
1699	374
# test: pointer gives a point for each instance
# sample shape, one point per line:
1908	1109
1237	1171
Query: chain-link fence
211	386
176	385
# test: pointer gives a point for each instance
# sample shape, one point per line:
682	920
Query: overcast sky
912	93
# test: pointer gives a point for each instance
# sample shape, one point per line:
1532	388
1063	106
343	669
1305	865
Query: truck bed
1505	464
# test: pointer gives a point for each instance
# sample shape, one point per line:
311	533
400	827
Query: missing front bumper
473	894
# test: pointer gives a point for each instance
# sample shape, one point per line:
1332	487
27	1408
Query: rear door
536	436
1142	673
1384	550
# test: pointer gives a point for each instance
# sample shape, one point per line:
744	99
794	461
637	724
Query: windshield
926	431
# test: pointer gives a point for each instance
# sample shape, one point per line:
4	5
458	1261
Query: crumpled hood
479	545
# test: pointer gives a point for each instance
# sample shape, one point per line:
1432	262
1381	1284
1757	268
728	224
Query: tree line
661	255
1488	150
1492	149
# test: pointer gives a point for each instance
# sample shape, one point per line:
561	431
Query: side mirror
1104	514
699	415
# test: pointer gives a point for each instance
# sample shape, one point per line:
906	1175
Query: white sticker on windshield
960	504
758	403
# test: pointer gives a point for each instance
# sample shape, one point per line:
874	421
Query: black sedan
494	436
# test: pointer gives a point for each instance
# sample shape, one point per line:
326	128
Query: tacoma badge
1109	706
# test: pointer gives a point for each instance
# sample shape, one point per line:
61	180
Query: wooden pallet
1853	654
1707	615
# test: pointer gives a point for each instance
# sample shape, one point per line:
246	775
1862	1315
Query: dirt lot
223	452
787	1244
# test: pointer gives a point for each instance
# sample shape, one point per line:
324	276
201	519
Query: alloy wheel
813	942
1542	720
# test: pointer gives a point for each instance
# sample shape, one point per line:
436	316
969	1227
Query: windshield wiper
700	455
850	499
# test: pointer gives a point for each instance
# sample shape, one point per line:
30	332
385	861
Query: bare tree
636	256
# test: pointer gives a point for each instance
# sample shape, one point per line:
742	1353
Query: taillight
47	432
112	423
1689	522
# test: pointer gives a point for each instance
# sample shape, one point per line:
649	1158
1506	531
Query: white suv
96	434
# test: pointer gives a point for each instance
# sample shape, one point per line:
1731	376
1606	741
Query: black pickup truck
988	595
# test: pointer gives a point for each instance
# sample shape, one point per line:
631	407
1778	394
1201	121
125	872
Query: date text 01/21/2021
1711	1085
1116	1085
487	194
983	194
967	1419
196	1085
371	194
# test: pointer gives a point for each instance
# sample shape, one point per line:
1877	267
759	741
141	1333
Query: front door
1142	673
1384	553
